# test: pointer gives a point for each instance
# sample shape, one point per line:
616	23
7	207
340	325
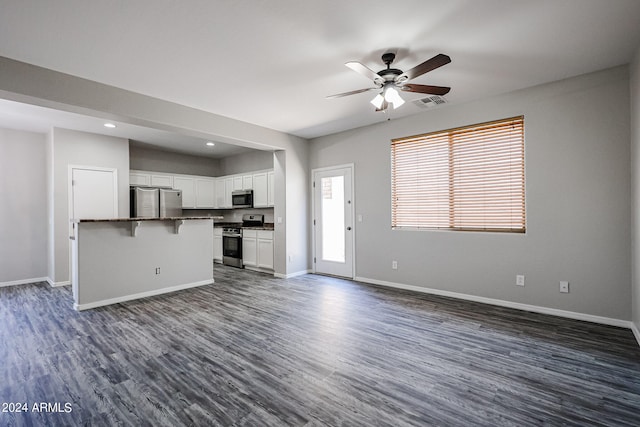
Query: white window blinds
469	178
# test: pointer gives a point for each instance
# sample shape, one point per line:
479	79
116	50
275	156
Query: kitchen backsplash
231	215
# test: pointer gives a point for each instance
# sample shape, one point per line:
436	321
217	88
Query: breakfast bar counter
120	259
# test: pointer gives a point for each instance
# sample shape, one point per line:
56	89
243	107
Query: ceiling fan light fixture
391	95
377	101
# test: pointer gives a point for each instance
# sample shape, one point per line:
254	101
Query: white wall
635	185
81	149
577	200
23	213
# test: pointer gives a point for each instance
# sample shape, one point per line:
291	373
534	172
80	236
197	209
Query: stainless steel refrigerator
170	202
151	202
145	202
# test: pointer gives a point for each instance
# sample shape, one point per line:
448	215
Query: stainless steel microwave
242	199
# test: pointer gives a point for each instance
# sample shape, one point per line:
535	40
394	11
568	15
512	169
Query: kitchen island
117	260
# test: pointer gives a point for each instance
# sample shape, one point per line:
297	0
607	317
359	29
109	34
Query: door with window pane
333	228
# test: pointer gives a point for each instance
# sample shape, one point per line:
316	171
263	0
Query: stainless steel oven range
232	246
232	239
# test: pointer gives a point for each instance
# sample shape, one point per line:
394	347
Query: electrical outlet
520	280
564	287
394	265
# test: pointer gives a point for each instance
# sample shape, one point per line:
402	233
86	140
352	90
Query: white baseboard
290	275
23	281
87	306
502	303
58	284
636	332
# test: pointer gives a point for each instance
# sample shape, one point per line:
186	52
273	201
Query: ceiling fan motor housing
389	74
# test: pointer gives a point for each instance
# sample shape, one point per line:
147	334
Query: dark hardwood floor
309	351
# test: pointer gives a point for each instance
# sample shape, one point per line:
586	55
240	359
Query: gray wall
246	162
635	183
577	198
144	157
23	214
81	149
114	265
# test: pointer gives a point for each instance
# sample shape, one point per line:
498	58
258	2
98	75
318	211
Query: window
469	178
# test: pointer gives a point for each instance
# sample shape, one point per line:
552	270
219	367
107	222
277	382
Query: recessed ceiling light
109	125
210	144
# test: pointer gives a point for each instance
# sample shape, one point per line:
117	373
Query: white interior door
333	221
94	193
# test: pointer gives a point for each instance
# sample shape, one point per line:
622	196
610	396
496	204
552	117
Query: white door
333	221
94	193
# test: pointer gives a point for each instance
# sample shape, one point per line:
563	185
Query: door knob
348	228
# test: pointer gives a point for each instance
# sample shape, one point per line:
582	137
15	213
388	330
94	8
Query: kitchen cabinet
265	249
162	180
139	178
205	193
271	189
202	192
247	182
263	185
228	189
249	248
187	185
217	244
220	194
257	248
237	183
260	190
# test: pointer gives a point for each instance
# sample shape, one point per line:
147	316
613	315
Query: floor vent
430	101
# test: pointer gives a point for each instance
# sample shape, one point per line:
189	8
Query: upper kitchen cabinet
205	193
247	182
260	190
271	189
220	193
139	178
263	187
188	187
158	180
197	192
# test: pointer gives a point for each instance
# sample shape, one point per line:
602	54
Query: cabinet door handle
348	228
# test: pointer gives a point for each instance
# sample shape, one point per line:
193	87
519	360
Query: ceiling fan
390	80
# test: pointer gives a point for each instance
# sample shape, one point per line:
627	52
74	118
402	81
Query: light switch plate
564	287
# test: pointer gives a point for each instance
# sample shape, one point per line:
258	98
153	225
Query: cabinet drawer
249	233
265	234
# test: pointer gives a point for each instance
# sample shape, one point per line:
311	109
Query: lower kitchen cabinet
265	249
217	244
257	249
249	248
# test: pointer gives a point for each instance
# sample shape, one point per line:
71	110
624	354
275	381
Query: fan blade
428	65
431	90
353	92
365	71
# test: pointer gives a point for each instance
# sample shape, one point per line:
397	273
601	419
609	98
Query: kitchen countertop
266	226
170	218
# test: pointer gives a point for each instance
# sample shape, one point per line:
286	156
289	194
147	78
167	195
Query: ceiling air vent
430	101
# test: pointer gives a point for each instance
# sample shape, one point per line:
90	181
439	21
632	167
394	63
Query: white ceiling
272	63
